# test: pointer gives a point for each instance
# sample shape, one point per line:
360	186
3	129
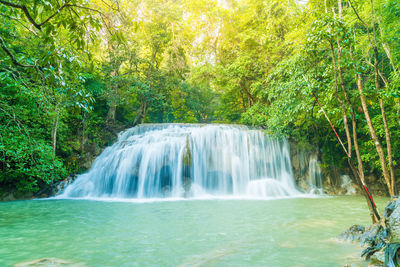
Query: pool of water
282	232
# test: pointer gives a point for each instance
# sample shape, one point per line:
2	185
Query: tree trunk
249	96
114	96
360	177
144	112
84	137
243	100
111	113
54	133
336	68
360	165
374	217
381	104
388	145
374	137
141	114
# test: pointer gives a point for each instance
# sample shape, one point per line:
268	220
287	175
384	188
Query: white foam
178	161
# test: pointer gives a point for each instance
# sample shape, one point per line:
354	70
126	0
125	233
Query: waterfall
347	185
315	176
189	160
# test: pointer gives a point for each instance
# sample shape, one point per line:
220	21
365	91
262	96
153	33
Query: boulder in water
392	212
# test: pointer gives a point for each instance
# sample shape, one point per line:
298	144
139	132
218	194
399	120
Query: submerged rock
353	234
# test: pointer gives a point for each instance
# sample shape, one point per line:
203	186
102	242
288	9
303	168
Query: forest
74	73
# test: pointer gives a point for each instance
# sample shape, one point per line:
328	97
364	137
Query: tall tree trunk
340	8
337	68
387	176
111	112
141	114
360	176
54	132
249	95
381	104
374	137
114	94
388	145
243	100
84	137
113	102
144	112
360	165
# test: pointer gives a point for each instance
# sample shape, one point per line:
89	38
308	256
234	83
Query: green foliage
26	159
27	164
74	73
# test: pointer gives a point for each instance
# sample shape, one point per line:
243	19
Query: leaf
40	10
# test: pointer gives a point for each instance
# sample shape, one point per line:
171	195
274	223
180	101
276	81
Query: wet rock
389	209
373	236
370	236
393	220
353	234
15	195
45	262
383	243
60	186
8	197
378	258
295	162
392	255
55	188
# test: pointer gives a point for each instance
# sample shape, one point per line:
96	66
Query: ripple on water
283	232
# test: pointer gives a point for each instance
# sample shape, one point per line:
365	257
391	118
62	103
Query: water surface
282	232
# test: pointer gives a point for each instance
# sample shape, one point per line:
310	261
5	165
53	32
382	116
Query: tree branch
54	14
17	20
360	19
24	9
11	56
87	8
29	16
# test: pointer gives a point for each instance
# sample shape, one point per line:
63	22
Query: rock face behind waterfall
306	169
187	160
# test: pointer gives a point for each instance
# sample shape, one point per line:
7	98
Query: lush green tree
74	73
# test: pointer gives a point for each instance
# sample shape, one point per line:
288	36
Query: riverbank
380	241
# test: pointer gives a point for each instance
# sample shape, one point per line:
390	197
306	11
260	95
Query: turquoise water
284	232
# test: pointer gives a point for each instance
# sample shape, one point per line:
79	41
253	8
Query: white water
186	160
348	185
315	176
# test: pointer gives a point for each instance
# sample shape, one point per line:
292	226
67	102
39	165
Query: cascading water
315	176
348	185
186	160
